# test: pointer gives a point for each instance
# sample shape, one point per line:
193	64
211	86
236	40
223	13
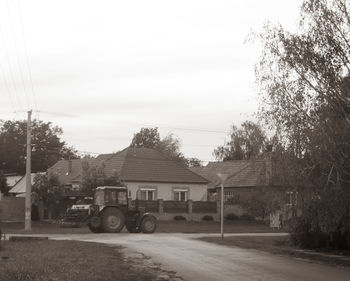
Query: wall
11	209
165	191
168	210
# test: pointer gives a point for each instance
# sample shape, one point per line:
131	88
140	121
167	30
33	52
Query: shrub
247	217
179	218
324	223
231	216
208	218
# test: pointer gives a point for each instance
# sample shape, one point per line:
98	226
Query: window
148	194
231	197
180	194
291	198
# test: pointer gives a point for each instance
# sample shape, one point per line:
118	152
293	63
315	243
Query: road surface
196	260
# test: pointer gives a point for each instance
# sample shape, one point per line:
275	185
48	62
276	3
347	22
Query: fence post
160	206
189	206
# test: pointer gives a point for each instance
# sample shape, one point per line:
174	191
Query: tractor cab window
111	196
99	198
122	198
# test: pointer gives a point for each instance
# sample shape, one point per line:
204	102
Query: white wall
165	191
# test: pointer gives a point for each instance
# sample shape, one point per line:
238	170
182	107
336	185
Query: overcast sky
104	69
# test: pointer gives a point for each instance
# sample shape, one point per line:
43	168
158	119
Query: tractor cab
111	196
110	212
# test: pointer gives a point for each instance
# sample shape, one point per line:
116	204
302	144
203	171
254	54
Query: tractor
110	212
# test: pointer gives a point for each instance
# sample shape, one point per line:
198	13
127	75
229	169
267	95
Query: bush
208	218
324	223
231	216
179	218
247	217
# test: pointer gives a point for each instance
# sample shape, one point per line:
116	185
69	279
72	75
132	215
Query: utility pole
222	178
28	202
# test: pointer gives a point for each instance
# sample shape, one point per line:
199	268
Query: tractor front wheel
113	220
148	224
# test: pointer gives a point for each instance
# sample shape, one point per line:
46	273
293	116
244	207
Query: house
163	186
18	189
148	174
243	177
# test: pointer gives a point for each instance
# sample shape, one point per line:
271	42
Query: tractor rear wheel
113	220
148	224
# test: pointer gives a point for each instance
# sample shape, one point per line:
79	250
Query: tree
47	149
147	137
94	176
150	138
193	162
305	88
47	190
245	143
3	184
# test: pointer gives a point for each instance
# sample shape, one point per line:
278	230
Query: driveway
196	260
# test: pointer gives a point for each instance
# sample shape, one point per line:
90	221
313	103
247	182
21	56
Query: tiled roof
241	173
131	164
61	170
149	165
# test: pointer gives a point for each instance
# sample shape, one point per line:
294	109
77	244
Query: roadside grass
281	245
67	260
238	226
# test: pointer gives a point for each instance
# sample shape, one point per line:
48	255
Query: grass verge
281	246
239	226
69	260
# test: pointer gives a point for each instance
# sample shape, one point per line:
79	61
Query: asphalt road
196	260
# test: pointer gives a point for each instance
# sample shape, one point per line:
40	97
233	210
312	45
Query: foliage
94	176
3	184
245	143
231	216
48	190
169	145
193	162
325	222
305	85
264	202
47	146
147	137
179	218
208	218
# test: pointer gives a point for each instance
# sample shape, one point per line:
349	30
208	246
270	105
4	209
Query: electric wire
27	56
17	54
10	67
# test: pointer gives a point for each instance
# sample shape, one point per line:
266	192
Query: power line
9	66
17	54
26	54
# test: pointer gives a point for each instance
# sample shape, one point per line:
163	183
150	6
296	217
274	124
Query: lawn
281	245
238	226
69	260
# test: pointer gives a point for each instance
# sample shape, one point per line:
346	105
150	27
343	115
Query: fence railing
170	206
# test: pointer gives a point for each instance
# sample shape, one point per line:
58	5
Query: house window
291	198
231	197
180	194
75	186
148	194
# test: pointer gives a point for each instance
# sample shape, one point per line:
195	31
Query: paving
196	260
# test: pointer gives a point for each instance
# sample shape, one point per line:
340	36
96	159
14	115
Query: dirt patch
141	261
